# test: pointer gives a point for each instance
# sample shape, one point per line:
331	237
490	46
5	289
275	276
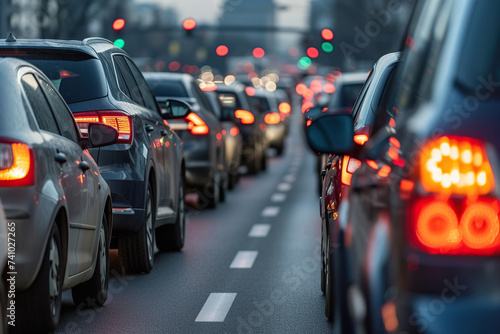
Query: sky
207	11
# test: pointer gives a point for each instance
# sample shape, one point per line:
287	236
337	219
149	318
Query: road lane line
270	211
216	307
278	197
244	260
289	178
259	231
284	186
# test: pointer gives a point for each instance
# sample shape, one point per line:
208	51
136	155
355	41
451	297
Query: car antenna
10	38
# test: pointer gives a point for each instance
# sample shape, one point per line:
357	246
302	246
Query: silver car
54	196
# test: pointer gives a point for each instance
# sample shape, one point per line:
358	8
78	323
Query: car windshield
78	77
167	88
482	38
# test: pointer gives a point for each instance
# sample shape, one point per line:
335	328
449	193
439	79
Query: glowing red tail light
115	118
196	125
349	166
245	116
17	164
272	118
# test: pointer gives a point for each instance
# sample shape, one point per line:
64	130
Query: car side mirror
378	145
176	109
331	134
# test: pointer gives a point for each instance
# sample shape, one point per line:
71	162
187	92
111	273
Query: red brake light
196	125
117	119
456	165
245	116
17	165
360	139
234	131
272	118
349	166
285	108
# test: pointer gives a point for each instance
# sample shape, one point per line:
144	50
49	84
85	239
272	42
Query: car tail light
349	166
272	118
17	165
234	131
285	108
196	125
457	227
245	116
360	139
114	118
456	165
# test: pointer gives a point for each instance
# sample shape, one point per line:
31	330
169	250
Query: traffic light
118	26
189	25
312	52
327	34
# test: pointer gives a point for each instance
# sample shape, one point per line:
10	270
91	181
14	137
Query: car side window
122	83
128	79
41	109
202	99
356	109
63	115
149	99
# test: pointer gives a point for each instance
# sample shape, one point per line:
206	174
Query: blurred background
295	38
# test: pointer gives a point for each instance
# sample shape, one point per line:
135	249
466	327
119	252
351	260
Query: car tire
95	290
213	193
136	250
171	237
233	179
330	284
254	163
39	307
280	148
223	186
323	267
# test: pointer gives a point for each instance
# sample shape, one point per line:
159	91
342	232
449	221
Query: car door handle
149	128
164	133
61	157
84	166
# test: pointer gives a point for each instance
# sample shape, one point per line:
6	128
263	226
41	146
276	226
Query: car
201	133
337	174
233	141
422	220
266	104
57	204
347	89
235	105
145	168
4	312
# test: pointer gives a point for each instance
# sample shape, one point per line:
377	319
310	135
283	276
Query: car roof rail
11	38
89	40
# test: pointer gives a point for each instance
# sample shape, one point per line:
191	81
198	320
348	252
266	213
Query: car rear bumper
32	214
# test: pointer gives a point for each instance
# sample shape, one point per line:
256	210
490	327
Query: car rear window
167	88
77	76
259	103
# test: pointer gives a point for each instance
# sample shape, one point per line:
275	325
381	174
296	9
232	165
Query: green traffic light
327	47
304	63
119	43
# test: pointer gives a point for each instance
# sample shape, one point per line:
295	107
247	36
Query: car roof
234	87
184	77
85	46
352	78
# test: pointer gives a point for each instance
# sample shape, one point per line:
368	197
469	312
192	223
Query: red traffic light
312	52
258	52
118	24
189	24
327	34
221	50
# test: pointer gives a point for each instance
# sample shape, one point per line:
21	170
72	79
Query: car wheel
95	290
280	148
39	307
323	266
171	237
213	193
329	286
136	250
263	159
254	162
223	186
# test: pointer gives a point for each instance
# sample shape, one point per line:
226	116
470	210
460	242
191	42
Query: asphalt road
249	266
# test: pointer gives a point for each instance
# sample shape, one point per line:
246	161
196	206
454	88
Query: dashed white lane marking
244	260
216	307
270	211
259	231
278	197
289	178
284	186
